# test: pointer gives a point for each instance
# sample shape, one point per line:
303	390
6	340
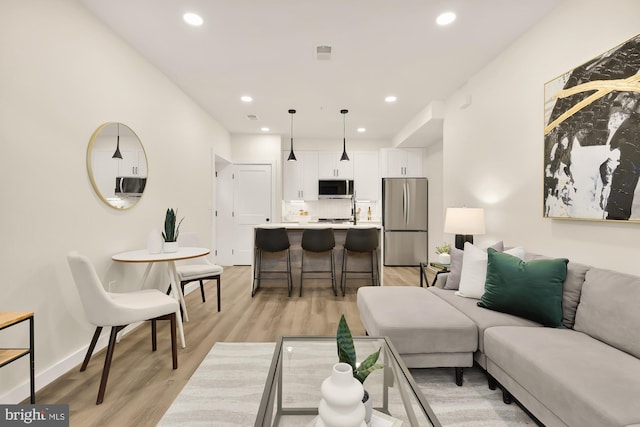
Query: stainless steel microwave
335	188
130	186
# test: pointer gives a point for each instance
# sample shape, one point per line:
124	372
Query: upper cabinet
300	177
366	175
400	163
330	166
133	163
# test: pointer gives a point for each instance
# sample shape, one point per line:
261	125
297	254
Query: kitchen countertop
335	226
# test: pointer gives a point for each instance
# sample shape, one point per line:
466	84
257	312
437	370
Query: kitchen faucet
353	211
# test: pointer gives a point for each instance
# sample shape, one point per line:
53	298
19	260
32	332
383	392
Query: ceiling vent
252	117
323	53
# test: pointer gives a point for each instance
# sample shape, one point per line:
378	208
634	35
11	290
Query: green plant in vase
171	230
347	354
443	253
444	249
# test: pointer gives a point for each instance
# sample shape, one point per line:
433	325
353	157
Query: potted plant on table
171	231
444	256
347	354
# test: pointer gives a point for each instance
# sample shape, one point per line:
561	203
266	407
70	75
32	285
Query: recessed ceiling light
361	130
246	98
265	129
390	98
446	18
193	19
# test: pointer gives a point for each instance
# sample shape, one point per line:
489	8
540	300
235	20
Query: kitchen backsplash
328	208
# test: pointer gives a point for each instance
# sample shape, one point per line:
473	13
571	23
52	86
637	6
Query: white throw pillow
474	270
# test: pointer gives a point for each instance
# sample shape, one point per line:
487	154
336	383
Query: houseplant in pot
171	231
443	252
347	354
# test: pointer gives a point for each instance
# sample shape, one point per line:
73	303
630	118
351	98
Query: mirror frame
90	171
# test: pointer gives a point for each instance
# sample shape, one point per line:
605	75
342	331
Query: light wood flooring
142	384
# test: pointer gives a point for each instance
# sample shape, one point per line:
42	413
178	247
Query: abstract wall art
592	138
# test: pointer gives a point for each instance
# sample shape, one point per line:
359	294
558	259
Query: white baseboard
49	375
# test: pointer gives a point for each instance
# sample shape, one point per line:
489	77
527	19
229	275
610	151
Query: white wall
493	149
63	74
432	166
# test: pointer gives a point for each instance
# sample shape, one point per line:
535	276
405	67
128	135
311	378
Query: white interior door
252	206
224	215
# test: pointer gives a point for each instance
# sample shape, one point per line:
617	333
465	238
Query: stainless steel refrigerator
404	217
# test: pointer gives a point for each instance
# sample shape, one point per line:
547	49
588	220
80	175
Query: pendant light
117	154
292	156
344	136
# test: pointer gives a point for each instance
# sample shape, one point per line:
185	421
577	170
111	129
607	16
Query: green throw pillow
532	290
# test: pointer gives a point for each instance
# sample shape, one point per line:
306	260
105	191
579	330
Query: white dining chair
197	269
117	310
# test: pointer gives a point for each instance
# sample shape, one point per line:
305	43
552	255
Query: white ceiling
266	49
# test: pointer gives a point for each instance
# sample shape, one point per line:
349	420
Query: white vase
341	403
444	259
170	247
154	242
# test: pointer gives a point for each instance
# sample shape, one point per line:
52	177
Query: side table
429	272
8	355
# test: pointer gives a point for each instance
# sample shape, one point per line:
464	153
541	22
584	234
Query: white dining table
169	259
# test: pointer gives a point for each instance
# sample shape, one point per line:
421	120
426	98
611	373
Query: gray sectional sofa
583	374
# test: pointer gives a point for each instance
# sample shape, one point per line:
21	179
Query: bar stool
319	240
271	240
361	240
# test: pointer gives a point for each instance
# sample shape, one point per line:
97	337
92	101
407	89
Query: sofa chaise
584	372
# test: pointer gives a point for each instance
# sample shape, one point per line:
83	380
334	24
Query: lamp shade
467	221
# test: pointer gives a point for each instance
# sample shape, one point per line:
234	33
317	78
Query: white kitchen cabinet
399	163
366	175
133	163
330	166
300	177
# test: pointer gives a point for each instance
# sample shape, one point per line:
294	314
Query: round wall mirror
117	165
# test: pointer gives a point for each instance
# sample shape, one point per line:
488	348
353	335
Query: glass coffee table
292	392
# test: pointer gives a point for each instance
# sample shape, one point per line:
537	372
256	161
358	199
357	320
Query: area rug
227	387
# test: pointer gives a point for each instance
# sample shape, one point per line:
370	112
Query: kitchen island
295	230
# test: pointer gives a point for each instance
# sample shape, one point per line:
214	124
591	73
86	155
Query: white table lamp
464	223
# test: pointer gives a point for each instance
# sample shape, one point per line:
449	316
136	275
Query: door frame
226	209
222	211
